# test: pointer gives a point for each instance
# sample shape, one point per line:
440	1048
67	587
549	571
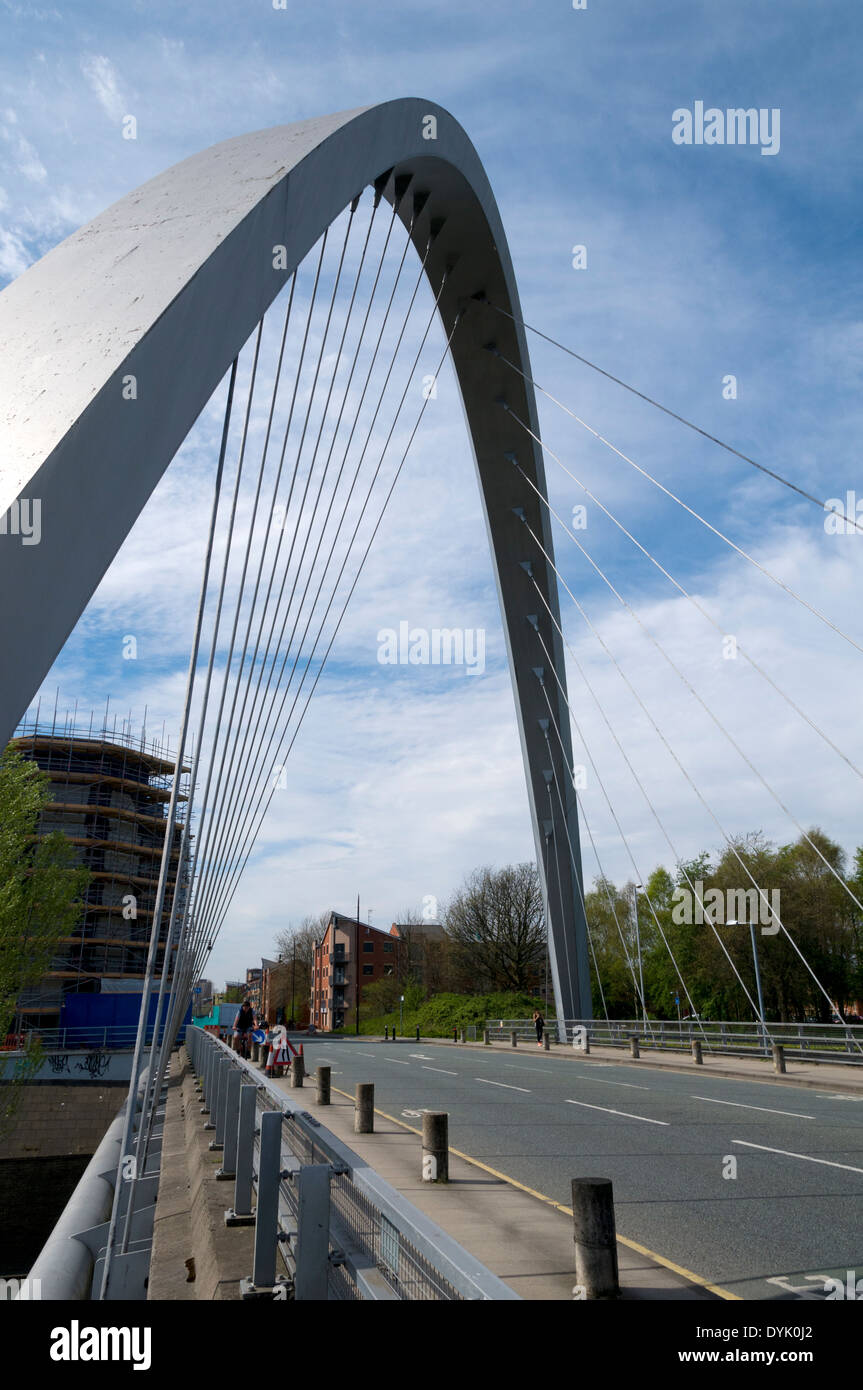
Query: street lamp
293	974
635	892
401	1014
763	1029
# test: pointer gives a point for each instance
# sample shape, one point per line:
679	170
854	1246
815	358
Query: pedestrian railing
327	1226
810	1042
85	1038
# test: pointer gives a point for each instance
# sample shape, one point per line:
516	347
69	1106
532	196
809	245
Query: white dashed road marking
624	1113
630	1085
738	1105
828	1163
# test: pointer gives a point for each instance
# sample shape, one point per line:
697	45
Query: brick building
253	987
424	953
350	954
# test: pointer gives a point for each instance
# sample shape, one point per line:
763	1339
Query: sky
701	262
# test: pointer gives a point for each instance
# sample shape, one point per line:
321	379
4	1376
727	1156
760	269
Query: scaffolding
109	793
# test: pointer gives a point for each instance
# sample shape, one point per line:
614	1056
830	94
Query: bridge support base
279	1292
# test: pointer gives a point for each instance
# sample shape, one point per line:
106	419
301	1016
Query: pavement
522	1237
730	1182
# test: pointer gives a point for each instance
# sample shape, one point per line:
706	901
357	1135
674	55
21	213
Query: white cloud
14	258
25	157
102	78
398	786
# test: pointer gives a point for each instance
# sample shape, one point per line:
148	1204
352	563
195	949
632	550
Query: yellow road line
567	1211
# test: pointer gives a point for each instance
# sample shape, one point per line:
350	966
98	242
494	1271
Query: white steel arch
166	285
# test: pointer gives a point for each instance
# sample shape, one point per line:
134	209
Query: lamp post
357	970
762	1026
401	1014
293	974
635	892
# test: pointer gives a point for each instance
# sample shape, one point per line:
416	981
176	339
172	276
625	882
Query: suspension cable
678	672
680	418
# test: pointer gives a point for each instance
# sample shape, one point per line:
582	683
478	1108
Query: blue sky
702	261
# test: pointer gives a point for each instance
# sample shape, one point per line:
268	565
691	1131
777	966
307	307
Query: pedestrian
539	1024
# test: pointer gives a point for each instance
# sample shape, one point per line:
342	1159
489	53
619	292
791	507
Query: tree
496	925
295	947
41	888
716	962
425	961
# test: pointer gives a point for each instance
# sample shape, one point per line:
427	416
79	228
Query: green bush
436	1017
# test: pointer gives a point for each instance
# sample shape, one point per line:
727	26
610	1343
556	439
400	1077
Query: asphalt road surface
671	1142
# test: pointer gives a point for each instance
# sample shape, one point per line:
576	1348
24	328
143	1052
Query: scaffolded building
109	796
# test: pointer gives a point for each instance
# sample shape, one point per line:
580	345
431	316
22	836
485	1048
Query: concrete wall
60	1119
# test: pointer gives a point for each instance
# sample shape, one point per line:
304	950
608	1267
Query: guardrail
108	1038
809	1042
335	1226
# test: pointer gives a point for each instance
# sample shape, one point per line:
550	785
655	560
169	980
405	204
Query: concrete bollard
298	1071
546	1041
595	1237
485	1037
633	1045
779	1058
364	1108
435	1146
696	1052
513	1037
322	1086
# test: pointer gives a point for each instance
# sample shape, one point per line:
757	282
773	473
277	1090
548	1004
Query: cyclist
243	1025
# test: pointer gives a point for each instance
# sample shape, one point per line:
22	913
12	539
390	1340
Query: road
671	1142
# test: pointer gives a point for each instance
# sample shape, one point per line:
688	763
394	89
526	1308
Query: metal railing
806	1042
332	1226
111	1037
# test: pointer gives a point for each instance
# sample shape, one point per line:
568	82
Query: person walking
539	1024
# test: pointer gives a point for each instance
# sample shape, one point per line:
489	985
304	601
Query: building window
368	945
388	970
368	970
388	946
